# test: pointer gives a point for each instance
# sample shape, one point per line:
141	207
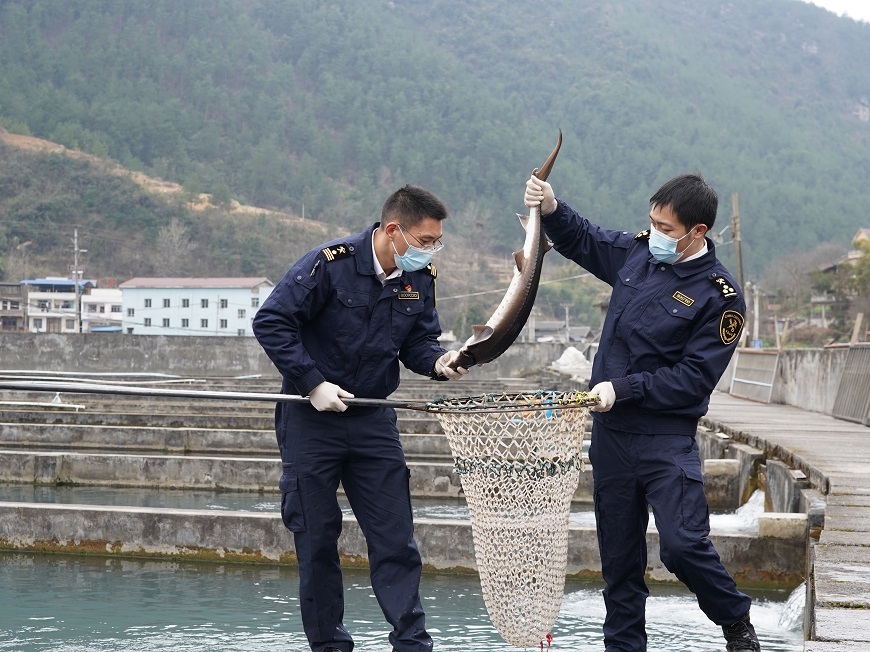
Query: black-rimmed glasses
430	248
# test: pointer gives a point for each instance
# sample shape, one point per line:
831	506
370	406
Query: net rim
512	402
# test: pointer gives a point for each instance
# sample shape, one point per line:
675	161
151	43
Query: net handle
436	406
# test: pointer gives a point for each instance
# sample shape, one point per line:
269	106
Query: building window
165	322
13	305
37	323
92	307
185	303
103	309
147	303
241	313
117	308
224	303
203	323
70	324
129	330
240	332
255	302
148	321
203	303
185	323
166	303
223	323
131	312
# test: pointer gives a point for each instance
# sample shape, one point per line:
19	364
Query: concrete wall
809	378
199	356
806	378
772	561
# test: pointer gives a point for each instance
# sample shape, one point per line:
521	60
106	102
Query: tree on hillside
172	249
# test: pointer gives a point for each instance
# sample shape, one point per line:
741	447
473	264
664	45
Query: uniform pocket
403	316
349	314
291	503
696	514
671	321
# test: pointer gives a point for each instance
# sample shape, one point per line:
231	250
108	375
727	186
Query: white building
102	310
51	304
192	306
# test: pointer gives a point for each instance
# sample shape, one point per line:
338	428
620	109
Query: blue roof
64	282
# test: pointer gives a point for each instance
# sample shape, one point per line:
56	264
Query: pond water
67	603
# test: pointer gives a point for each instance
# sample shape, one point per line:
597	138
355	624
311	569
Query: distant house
838	267
192	306
540	330
13	307
51	303
102	310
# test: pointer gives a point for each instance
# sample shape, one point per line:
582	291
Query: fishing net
519	458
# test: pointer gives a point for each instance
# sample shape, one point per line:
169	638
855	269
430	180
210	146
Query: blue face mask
664	247
413	259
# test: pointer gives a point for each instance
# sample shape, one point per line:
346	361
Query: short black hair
692	199
410	205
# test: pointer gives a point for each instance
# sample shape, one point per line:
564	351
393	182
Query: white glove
442	368
606	396
540	193
326	397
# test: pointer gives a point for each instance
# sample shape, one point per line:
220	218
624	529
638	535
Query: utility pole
76	277
735	236
567	307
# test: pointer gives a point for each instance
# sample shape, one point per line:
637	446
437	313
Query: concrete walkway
835	457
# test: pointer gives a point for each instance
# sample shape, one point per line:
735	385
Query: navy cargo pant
630	473
361	449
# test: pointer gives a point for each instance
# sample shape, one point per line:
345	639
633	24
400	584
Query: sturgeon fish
502	329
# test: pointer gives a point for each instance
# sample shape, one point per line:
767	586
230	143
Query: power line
502	290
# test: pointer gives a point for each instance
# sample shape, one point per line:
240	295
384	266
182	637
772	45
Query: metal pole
78	305
735	236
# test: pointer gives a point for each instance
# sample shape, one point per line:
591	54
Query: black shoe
741	636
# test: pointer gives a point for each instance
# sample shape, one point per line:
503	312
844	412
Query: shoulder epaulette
336	252
728	290
432	270
641	235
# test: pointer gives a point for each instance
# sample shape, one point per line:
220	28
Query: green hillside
329	106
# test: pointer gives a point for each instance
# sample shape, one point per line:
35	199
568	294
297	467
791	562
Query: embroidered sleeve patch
730	326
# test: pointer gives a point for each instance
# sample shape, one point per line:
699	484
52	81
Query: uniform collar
379	270
365	259
699	264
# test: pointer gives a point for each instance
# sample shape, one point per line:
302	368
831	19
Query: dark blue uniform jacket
670	330
330	319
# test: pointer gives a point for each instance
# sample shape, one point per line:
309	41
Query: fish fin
519	259
548	244
524	221
481	332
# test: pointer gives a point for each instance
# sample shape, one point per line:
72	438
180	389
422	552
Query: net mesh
519	458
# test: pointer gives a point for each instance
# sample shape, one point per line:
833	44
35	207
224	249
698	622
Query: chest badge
409	294
682	298
730	326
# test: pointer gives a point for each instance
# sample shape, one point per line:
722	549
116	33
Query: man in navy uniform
673	322
336	326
